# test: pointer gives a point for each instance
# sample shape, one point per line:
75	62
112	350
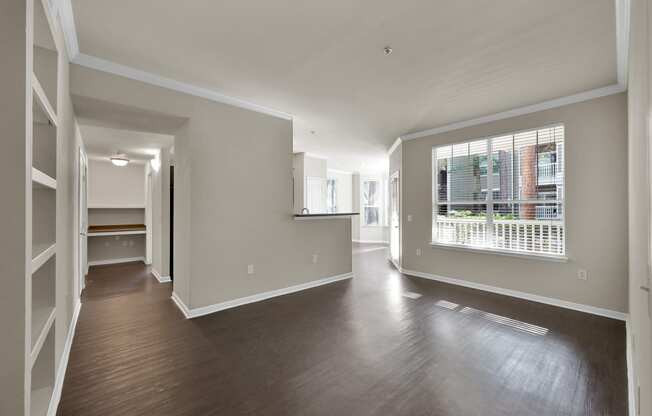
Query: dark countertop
327	215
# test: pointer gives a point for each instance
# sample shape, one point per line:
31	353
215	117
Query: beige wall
107	248
13	179
68	144
639	199
161	215
596	217
223	154
355	220
314	167
110	185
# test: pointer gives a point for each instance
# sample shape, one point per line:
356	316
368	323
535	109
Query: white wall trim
397	142
546	105
171	84
521	295
622	40
67	20
63	363
205	310
631	379
116	261
182	306
161	279
371	242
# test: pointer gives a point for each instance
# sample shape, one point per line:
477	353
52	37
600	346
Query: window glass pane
460	170
370	193
331	195
371	216
503	167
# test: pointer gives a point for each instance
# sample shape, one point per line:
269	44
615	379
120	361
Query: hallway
379	344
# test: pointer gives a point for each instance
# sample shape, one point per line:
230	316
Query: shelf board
40	401
43	253
42	100
42	320
116	229
41	179
109	233
99	206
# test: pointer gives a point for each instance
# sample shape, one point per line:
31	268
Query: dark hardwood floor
358	347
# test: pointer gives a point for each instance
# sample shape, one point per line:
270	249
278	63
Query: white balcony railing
530	236
547	173
546	212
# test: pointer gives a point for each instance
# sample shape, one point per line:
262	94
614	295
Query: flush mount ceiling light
387	50
119	159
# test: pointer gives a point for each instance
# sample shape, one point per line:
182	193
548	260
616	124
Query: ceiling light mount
119	159
387	50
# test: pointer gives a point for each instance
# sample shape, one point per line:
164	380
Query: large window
331	195
503	193
371	202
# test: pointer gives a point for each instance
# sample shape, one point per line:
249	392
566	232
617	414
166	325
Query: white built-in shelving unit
41	282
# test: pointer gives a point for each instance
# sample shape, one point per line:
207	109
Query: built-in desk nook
116	213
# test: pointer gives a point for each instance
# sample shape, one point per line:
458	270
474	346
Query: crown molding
546	105
397	142
103	65
622	40
67	18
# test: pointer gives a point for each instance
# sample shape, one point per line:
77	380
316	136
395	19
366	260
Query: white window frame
379	205
490	202
334	181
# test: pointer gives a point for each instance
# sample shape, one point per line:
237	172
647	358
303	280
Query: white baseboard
205	310
181	305
116	261
161	279
631	379
398	266
521	295
371	242
63	364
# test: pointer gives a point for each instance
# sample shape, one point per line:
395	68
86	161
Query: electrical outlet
582	274
409	218
315	258
418	252
250	269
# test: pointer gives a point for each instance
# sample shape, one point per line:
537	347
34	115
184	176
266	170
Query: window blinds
504	193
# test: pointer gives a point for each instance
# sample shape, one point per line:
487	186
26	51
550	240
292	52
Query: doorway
82	220
172	222
395	219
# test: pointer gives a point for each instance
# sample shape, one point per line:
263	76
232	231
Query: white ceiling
102	142
323	62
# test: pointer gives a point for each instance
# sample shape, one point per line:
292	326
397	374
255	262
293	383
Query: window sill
529	256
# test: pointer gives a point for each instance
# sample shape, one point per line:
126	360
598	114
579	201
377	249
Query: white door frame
82	218
395	252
